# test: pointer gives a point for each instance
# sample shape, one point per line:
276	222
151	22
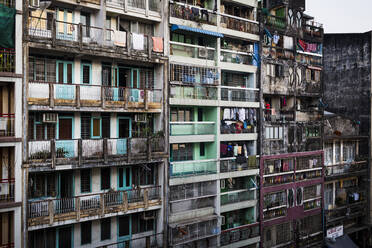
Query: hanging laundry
138	41
157	44
276	39
241	114
226	114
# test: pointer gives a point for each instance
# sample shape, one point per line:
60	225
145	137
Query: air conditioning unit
50	117
148	215
35	3
203	53
4	188
140	118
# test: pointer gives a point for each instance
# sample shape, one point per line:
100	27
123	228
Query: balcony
237	60
52	211
192	131
93	152
230	24
193	168
79	38
194	54
7	190
276	22
7	60
199	95
187	232
192	15
79	96
241	233
153	241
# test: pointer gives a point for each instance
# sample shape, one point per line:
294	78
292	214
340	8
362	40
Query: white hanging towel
120	38
138	41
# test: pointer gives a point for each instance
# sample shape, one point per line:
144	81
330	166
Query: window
85	20
86	232
85	181
105	228
182	152
124	223
202	149
86	73
105	178
85	126
42	185
96	127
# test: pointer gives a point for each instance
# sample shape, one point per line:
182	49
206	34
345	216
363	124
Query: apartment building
347	88
291	166
95	136
10	124
213	124
346	174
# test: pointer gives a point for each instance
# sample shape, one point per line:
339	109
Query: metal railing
153	241
7	190
83	150
96	204
192	51
239	196
191	128
231	164
92	95
276	22
236	94
193	13
240	233
239	24
7	60
198	92
193	168
236	57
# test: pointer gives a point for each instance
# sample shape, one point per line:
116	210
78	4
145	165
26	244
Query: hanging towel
236	150
120	38
138	41
276	39
157	44
241	114
226	114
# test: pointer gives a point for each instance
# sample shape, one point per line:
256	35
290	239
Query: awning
196	30
341	242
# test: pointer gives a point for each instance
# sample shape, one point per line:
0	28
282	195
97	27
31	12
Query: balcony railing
61	209
191	51
240	233
193	231
191	128
7	60
231	164
238	94
276	22
81	95
193	168
67	33
94	150
153	241
198	92
340	169
7	125
236	57
239	24
7	190
237	196
193	13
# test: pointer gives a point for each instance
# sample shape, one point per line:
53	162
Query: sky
342	16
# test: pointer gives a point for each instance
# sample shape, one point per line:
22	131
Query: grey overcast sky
342	16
